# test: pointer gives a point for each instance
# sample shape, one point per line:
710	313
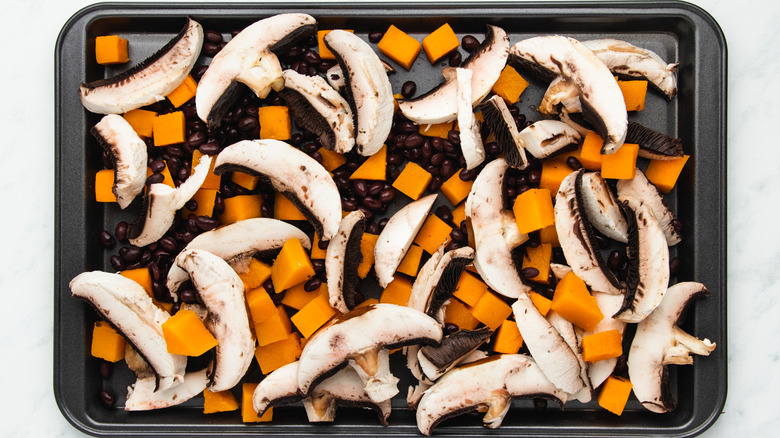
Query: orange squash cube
274	328
534	210
111	49
331	160
470	288
248	412
374	168
614	394
399	47
241	207
459	214
491	310
549	234
510	85
367	244
185	334
316	252
441	130
507	339
206	198
274	122
222	401
107	344
455	189
440	42
168	129
397	292
212	181
590	152
260	305
184	92
553	173
141	121
245	180
433	233
575	304
413	180
621	164
602	345
257	274
279	353
634	93
104	186
664	174
541	303
292	266
296	297
313	315
140	276
285	210
459	314
539	258
325	52
411	262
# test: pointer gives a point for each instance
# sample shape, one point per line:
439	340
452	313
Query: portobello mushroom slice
435	361
143	394
147	82
368	89
549	137
440	104
602	208
470	136
299	177
337	80
342	259
659	342
128	153
502	125
487	384
128	308
397	236
436	281
574	340
248	58
222	292
653	144
627	59
319	108
360	339
600	97
640	188
344	388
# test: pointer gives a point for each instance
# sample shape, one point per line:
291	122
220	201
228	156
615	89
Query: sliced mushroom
653	144
343	388
416	392
151	80
486	63
549	137
248	58
360	338
487	384
502	125
397	236
128	307
238	242
299	177
602	208
368	89
435	361
319	108
161	203
574	341
470	136
336	79
143	395
563	93
640	188
659	342
577	239
437	280
277	388
601	99
128	153
627	59
342	259
648	263
222	292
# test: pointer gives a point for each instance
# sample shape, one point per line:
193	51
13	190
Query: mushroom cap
128	153
470	135
277	388
548	137
641	188
143	395
602	208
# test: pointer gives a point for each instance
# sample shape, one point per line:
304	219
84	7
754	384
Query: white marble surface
27	407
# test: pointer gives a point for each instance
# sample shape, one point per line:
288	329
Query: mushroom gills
128	154
437	360
143	395
640	188
470	136
574	341
602	209
342	260
653	144
546	138
437	280
501	123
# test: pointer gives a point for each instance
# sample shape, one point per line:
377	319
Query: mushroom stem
684	345
498	406
368	362
373	367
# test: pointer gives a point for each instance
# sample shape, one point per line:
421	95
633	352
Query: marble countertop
27	183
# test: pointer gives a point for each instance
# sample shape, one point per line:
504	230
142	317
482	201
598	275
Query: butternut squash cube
549	234
411	262
331	160
241	207
664	174
491	310
507	338
455	189
206	198
222	401
432	234
399	47
292	266
260	304
634	93
274	328
140	276
274	122
367	244
257	274
470	288
184	92
614	394
534	210
440	42
590	152
374	168
168	129
621	164
553	173
510	85
313	315
279	353
111	49
413	180
459	314
212	181
316	252
397	292
541	302
602	345
245	180
325	52
459	214
441	130
185	334
296	297
107	344
104	186
285	210
573	302
539	258
141	121
248	412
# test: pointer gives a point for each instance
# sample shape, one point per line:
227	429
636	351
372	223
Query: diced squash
241	207
274	328
248	412
411	262
185	334
634	93
316	252
470	288
257	274
325	52
367	244
331	160
111	49
212	181
397	292
222	401
206	198
313	315
590	153
455	189
374	168
432	234
168	129
413	180
459	214
274	122
553	173
261	306
107	344
296	297
614	394
104	186
573	302
549	234
539	258
279	353
541	302
621	164
459	314
367	302
399	47
491	310
440	42
245	180
441	130
184	92
141	121
507	338
602	345
510	85
285	210
292	266
140	276
534	210
664	174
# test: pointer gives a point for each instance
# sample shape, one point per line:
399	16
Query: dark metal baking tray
675	30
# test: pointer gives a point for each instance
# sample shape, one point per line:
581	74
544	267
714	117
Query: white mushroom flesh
602	208
470	136
548	137
641	188
128	154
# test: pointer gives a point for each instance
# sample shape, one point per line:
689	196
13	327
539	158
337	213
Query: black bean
573	163
382	223
468	175
312	284
105	369
360	187
540	404
522	188
206	223
395	158
349	205
130	253
155	178
312	58
219	204
677	224
674	265
469	43
615	260
450	327
366	212
458	235
318	265
210	49
435	183
248	123
407	127
454	137
534	176
375	36
492	148
387	195
106	239
268	285
372	203
213	36
184	173
157	166
510	193
116	263
529	272
437	159
408	89
455	59
154	271
188	296
107	399
448	168
197	73
294	52
209	148
352	166
413	141
433	170
323	244
444	213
